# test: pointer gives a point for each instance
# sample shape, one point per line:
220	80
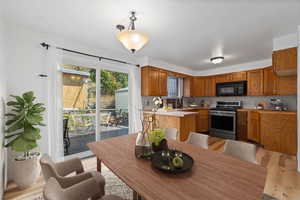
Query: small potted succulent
158	139
22	134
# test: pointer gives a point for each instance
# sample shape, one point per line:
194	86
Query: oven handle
223	114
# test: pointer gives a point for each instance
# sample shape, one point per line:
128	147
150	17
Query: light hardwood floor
283	180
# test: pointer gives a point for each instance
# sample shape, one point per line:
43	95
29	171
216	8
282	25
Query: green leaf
34	119
12	103
16	118
21	144
10	115
28	97
31	133
12	135
16	126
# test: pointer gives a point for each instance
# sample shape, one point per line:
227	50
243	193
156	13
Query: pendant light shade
133	40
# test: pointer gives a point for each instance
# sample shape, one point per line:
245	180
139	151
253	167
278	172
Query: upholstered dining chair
171	133
198	139
241	150
81	191
62	173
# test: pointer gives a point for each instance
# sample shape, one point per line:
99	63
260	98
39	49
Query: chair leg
98	165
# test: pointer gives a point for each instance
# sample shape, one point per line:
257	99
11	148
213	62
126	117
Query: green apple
177	162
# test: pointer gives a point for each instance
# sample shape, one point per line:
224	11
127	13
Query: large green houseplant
23	122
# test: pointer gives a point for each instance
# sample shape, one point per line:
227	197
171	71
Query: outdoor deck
78	142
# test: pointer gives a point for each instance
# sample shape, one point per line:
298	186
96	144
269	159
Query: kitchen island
184	122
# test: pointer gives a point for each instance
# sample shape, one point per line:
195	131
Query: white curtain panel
54	138
135	99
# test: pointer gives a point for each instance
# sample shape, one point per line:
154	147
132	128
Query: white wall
2	100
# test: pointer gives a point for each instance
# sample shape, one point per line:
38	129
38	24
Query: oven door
222	124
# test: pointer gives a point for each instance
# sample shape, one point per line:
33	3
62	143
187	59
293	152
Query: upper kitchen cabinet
239	76
255	85
210	86
278	85
269	81
223	78
187	86
198	88
285	62
154	81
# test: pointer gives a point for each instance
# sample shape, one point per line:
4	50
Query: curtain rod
45	45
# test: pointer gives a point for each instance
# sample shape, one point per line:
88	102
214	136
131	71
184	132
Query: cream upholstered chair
80	191
198	139
61	170
241	150
171	133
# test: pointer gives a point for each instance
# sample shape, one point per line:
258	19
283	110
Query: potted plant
22	134
158	139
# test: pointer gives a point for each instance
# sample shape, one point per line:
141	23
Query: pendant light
131	39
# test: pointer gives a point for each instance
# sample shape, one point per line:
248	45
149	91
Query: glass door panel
113	110
79	108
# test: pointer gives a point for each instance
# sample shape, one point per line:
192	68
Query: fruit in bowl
177	162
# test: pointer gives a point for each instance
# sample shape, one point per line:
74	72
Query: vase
163	145
142	146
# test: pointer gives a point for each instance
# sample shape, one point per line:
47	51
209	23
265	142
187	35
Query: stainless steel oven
222	124
222	119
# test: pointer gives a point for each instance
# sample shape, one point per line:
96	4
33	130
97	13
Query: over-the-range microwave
238	88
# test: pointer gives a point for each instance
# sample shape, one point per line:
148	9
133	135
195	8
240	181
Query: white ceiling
183	32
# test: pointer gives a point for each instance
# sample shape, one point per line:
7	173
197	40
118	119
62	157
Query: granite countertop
175	113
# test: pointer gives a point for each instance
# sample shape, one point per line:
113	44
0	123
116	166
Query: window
174	86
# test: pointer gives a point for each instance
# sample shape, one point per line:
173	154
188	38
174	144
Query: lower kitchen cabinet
253	131
202	123
242	126
278	131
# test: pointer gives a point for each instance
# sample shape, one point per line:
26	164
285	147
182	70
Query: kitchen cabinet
202	119
239	76
242	125
253	130
269	81
223	78
275	85
285	62
279	131
210	86
286	85
255	82
187	86
154	82
198	86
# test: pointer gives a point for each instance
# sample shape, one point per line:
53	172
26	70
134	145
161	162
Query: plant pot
26	171
163	145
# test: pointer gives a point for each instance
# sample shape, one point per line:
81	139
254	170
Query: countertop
176	113
266	110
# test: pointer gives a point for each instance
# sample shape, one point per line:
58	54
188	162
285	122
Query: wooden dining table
214	176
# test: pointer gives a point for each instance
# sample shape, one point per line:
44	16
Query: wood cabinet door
286	85
279	132
242	125
163	83
145	87
210	86
269	81
154	88
253	133
202	121
255	82
187	87
198	86
285	60
239	76
223	78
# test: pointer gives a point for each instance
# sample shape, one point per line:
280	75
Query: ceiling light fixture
131	39
217	60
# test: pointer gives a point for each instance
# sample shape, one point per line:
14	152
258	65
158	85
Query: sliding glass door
113	113
95	106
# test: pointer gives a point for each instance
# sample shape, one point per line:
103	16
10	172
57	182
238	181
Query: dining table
214	175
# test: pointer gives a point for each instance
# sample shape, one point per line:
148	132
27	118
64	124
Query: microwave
232	89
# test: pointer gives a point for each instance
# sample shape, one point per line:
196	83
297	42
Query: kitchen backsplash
248	101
